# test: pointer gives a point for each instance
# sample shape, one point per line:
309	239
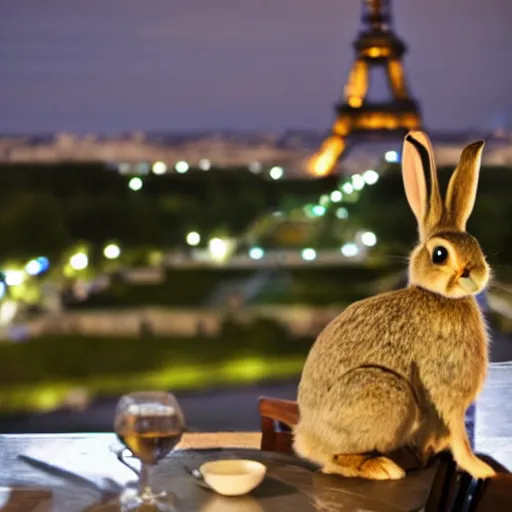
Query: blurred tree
383	208
31	224
46	208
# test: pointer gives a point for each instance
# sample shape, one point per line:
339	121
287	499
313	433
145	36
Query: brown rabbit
398	370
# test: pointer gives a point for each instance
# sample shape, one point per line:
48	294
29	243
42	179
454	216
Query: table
291	484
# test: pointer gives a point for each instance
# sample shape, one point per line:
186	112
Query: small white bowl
233	477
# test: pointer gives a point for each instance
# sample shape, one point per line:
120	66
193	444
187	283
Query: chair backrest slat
278	417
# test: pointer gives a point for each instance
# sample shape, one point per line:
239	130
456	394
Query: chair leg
442	486
277	420
268	434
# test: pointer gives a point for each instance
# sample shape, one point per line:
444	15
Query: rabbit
398	370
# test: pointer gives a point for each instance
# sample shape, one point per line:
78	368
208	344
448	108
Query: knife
107	485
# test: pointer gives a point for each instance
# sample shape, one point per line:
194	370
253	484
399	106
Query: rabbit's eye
439	254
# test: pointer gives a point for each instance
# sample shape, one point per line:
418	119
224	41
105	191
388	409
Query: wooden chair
278	417
450	489
493	494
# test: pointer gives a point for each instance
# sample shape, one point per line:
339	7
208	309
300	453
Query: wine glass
149	424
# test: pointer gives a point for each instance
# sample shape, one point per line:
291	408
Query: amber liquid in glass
149	431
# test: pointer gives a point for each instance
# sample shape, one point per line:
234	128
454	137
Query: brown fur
398	370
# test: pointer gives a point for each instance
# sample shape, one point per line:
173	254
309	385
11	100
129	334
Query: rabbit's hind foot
364	466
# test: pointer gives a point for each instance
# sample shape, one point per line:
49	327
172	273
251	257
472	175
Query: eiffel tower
376	46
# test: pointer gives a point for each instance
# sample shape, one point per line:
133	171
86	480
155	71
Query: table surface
290	484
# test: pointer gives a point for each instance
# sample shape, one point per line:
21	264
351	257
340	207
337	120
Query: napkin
97	469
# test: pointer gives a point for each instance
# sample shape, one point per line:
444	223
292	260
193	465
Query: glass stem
144	488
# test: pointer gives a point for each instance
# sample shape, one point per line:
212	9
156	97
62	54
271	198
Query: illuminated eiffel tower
376	46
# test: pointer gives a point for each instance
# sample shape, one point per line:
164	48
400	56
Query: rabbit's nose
465	272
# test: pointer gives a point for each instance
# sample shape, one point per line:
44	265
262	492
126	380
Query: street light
256	253
111	251
347	188
193	238
181	167
14	277
357	182
308	254
391	157
318	210
135	184
204	164
218	249
79	261
159	168
370	176
369	238
276	172
342	213
349	250
336	196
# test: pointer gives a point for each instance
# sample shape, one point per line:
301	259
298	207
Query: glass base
132	500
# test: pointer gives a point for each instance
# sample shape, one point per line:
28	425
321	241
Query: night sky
118	65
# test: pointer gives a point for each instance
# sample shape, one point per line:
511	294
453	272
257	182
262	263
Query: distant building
254	150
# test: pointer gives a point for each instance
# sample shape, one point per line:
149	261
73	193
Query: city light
369	239
347	188
342	213
44	262
276	172
8	310
3	289
318	210
370	176
204	164
308	254
112	251
308	210
135	184
349	250
124	168
255	167
142	168
159	168
193	238
218	249
79	261
391	157
34	267
181	167
324	200
256	253
14	277
357	182
336	196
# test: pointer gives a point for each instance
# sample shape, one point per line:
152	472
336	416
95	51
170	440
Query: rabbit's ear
420	181
461	192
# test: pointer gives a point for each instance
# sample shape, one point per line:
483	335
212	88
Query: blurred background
182	208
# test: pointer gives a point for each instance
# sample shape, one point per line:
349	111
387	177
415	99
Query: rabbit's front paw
381	468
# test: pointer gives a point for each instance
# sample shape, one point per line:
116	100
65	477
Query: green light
336	196
135	184
324	200
318	210
342	213
308	210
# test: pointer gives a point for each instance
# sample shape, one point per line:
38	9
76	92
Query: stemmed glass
149	424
